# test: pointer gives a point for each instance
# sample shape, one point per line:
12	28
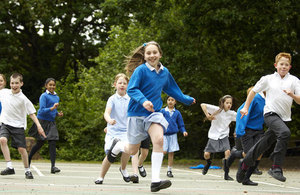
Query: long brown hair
137	57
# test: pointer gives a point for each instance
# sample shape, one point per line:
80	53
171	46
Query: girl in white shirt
218	133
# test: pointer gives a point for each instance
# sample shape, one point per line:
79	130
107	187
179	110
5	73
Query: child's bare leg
206	155
143	156
170	159
104	167
135	162
5	149
156	134
124	160
227	154
24	156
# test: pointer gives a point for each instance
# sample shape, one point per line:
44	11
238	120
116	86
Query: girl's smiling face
152	55
50	86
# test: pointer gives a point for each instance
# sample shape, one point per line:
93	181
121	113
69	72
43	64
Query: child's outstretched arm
295	97
38	125
244	111
107	116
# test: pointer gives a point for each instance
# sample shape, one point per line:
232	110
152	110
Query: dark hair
48	80
16	75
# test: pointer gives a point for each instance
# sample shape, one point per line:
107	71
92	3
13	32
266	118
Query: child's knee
22	151
206	155
3	140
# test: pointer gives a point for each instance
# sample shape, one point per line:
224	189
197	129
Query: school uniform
250	128
118	105
146	83
277	112
46	117
219	130
15	108
176	124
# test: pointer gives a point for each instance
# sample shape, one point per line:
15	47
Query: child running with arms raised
218	133
176	124
281	89
49	102
15	107
149	78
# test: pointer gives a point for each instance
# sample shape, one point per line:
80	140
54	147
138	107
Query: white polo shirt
15	108
219	128
276	99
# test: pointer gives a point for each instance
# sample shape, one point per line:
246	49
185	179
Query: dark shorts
145	143
250	138
49	128
220	145
17	135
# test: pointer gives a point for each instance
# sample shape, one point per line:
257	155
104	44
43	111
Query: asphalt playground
78	178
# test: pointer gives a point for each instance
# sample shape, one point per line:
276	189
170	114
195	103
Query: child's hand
194	101
60	114
243	112
55	106
288	92
105	130
148	106
210	117
185	134
41	131
112	121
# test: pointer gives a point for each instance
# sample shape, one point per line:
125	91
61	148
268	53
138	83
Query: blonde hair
119	76
137	57
4	78
283	54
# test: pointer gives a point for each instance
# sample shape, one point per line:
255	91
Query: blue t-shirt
145	84
47	100
254	119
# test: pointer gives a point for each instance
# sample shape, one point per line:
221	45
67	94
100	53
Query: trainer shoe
111	157
156	186
126	179
248	182
28	175
55	170
98	181
240	174
257	172
142	171
277	174
169	174
134	178
8	171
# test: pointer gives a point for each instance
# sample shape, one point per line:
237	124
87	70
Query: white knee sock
156	161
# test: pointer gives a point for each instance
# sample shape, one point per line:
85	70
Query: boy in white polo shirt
15	107
281	89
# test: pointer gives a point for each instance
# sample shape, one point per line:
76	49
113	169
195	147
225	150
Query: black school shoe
28	175
111	157
99	181
277	174
126	179
240	174
156	186
169	174
142	171
257	172
8	171
134	178
248	182
55	170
